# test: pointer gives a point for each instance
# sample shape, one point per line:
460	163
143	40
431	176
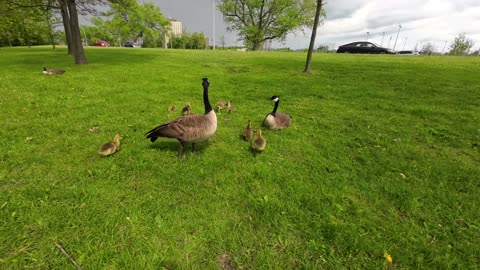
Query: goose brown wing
283	119
180	127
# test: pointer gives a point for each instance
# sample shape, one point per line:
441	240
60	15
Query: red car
102	43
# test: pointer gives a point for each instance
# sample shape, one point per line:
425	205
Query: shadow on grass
172	146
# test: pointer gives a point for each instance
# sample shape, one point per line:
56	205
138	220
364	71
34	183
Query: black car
363	47
130	44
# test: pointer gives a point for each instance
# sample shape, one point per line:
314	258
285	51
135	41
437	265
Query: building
176	29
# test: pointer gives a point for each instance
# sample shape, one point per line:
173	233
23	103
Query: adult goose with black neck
191	128
277	120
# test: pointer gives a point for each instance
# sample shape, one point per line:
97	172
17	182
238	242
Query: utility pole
368	33
444	46
394	44
383	35
213	15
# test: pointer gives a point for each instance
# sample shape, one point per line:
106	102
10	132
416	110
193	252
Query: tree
428	49
461	45
76	42
260	20
23	22
129	20
312	38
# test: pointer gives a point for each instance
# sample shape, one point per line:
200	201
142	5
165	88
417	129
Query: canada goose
277	120
189	128
230	108
172	108
52	71
111	147
248	132
220	105
258	143
187	109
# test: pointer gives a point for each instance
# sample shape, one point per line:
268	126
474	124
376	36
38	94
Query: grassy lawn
382	157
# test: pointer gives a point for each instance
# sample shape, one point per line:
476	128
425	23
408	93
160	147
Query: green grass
383	156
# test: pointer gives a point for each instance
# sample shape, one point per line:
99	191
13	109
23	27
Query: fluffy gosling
172	108
187	109
220	105
258	143
111	147
248	132
230	108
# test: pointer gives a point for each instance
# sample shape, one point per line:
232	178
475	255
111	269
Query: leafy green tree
461	45
130	20
24	23
198	41
260	20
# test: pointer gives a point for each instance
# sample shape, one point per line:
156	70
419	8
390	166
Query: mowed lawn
382	158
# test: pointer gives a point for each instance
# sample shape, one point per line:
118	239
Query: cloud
422	21
434	21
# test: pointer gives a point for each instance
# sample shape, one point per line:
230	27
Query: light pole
394	44
383	35
444	46
213	16
368	33
405	43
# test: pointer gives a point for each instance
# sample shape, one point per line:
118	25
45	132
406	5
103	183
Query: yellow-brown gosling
277	120
172	108
258	143
248	132
220	105
187	109
52	71
111	147
191	128
230	108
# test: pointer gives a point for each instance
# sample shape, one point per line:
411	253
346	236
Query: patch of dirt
225	262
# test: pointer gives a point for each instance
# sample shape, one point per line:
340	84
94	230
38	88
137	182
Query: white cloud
434	21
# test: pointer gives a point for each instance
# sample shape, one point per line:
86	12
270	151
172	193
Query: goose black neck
275	107
206	102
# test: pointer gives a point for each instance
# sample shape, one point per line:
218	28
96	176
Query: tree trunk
66	24
77	47
257	45
312	38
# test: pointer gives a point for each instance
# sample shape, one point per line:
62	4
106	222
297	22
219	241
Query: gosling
111	147
248	132
187	109
258	143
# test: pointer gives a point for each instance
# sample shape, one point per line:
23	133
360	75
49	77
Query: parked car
363	47
131	44
102	43
408	53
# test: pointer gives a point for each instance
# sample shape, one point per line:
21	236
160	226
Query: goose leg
181	150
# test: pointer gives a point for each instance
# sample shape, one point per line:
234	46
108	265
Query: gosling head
117	138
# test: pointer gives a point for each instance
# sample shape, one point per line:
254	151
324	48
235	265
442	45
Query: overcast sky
422	21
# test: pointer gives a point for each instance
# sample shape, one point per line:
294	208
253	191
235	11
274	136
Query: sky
422	21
